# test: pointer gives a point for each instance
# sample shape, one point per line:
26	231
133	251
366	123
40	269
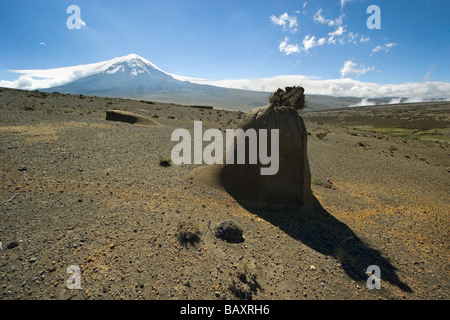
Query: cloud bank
418	91
343	87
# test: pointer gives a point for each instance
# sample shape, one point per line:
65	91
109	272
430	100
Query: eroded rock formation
292	182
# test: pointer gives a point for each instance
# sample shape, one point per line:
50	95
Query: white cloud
43	44
364	38
428	74
386	47
351	67
287	48
342	87
47	78
311	42
363	103
338	32
318	17
286	21
408	92
352	37
343	3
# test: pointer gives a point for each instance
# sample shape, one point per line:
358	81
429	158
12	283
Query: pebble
312	267
12	245
32	260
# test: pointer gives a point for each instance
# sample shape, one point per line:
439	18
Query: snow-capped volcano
131	63
135	77
127	76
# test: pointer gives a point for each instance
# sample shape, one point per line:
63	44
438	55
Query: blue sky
236	39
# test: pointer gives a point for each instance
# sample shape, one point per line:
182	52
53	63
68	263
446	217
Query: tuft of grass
165	162
188	234
245	285
321	135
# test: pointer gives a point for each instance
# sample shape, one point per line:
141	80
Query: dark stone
229	231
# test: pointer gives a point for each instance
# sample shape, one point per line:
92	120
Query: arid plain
80	190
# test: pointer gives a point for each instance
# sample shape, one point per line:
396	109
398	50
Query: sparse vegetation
188	233
321	135
165	162
245	285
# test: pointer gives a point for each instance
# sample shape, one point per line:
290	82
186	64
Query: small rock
32	260
12	245
229	231
312	267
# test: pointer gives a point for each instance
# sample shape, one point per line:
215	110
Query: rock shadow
319	230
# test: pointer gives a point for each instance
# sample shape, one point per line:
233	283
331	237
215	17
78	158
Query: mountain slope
135	77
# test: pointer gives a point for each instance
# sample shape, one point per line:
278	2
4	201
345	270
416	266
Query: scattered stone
12	245
229	231
32	260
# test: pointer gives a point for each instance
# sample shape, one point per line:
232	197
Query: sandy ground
78	190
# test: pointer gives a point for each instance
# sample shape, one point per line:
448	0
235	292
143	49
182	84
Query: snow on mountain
135	77
47	78
132	63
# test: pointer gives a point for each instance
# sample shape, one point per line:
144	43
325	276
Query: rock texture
292	183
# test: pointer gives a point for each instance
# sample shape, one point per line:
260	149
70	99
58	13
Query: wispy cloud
364	39
311	42
428	74
82	23
351	67
287	48
386	47
286	21
43	44
318	17
338	32
343	2
363	103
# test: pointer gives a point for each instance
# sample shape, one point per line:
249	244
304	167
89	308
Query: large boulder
245	182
